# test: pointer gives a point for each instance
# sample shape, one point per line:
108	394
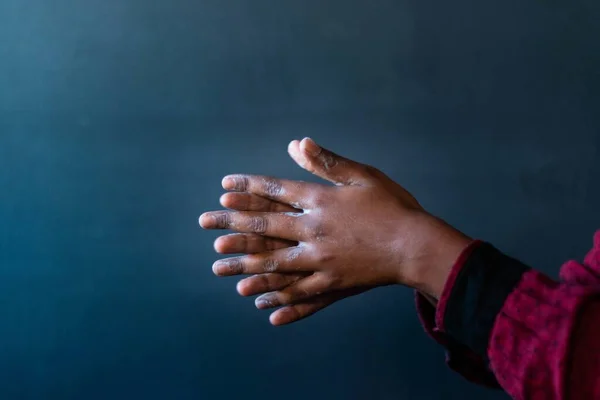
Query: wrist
439	247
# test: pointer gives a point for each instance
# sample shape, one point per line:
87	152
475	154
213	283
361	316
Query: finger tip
215	268
260	303
309	146
274	319
278	318
204	220
225	200
228	183
303	143
219	245
292	145
257	303
241	288
298	155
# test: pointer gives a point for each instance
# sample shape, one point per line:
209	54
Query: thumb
328	165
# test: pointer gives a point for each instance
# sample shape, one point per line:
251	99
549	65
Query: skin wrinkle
234	265
259	224
223	220
328	160
271	265
241	183
273	188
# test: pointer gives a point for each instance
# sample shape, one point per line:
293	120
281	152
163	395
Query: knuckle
272	207
328	159
241	183
223	220
319	199
303	293
253	202
270	265
315	230
293	294
295	313
259	224
273	187
244	243
274	301
265	281
235	265
269	244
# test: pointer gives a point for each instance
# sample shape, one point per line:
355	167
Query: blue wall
119	117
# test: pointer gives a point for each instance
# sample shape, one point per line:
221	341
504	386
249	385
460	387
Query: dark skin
307	245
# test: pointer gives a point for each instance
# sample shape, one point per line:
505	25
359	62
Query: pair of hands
309	245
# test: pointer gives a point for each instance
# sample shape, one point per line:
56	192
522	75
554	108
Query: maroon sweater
505	325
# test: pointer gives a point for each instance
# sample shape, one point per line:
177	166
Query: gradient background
118	119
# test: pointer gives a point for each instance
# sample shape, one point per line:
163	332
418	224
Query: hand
365	232
249	243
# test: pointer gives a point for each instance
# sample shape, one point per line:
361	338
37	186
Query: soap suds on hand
271	265
295	252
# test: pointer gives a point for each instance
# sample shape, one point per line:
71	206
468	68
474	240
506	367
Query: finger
294	193
328	165
293	313
250	202
291	260
277	225
249	243
263	283
310	286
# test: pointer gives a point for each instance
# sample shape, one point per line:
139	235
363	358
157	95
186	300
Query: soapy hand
309	245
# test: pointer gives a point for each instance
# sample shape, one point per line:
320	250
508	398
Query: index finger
297	194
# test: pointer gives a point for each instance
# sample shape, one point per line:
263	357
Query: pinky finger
294	313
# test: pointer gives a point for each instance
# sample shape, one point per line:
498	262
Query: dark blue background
118	119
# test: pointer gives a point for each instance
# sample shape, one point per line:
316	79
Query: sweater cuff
458	357
450	282
475	294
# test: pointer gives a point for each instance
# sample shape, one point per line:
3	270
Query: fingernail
311	147
228	183
218	268
292	144
266	301
240	287
273	318
206	220
281	317
222	199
